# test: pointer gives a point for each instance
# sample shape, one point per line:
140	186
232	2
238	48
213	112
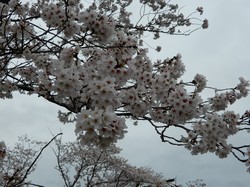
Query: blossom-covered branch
91	59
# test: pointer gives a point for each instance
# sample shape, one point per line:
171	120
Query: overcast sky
221	53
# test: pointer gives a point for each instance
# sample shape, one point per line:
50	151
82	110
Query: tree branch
39	154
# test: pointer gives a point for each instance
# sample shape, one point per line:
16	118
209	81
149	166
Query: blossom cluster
210	135
101	25
221	100
200	82
100	127
54	15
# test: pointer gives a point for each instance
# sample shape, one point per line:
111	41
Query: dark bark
5	1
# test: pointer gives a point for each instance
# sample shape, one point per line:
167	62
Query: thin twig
32	164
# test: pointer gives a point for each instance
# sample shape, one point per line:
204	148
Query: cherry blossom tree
91	166
19	161
78	166
92	59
